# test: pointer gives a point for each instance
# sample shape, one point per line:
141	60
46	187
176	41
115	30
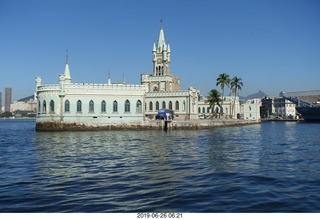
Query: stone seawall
204	124
147	125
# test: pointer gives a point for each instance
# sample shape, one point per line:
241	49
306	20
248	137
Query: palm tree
236	84
223	80
213	99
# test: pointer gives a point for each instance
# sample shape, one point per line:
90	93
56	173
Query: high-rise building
7	98
0	102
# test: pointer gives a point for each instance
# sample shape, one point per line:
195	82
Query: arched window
67	106
51	106
150	106
203	110
170	105
208	109
44	107
177	105
115	106
39	106
157	105
127	106
103	106
199	109
91	106
163	104
139	107
79	106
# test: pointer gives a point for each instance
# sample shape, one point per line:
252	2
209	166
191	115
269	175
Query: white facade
251	109
284	108
183	103
30	105
229	103
91	103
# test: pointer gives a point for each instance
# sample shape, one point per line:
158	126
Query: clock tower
161	80
161	56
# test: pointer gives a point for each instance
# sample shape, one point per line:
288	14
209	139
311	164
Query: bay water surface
268	167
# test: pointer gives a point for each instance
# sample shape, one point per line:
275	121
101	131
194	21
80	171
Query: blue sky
272	45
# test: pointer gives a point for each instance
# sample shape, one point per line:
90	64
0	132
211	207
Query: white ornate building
105	104
231	107
89	104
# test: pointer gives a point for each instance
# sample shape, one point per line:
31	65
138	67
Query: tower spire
66	74
161	39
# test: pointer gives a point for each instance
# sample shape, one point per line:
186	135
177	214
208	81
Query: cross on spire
67	56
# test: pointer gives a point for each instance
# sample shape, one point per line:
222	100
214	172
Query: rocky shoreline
147	125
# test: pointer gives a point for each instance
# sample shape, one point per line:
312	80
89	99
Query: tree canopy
214	99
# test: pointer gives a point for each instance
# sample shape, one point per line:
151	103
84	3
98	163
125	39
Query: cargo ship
309	113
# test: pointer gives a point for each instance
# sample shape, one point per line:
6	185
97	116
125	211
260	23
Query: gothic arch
155	87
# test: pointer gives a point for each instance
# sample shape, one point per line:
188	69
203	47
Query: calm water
270	167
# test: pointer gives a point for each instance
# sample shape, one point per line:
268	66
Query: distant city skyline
272	45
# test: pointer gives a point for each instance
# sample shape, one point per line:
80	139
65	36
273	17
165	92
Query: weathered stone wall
153	124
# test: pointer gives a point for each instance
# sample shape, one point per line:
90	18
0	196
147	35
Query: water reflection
247	168
129	161
231	150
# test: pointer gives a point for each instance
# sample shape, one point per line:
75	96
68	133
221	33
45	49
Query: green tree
223	80
6	114
213	99
264	111
236	84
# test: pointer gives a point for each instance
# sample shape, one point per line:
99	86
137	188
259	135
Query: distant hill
25	99
258	95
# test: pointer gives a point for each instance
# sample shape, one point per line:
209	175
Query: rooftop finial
67	57
109	79
161	23
66	74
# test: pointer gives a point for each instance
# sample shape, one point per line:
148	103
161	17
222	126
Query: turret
154	50
109	79
38	82
164	53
